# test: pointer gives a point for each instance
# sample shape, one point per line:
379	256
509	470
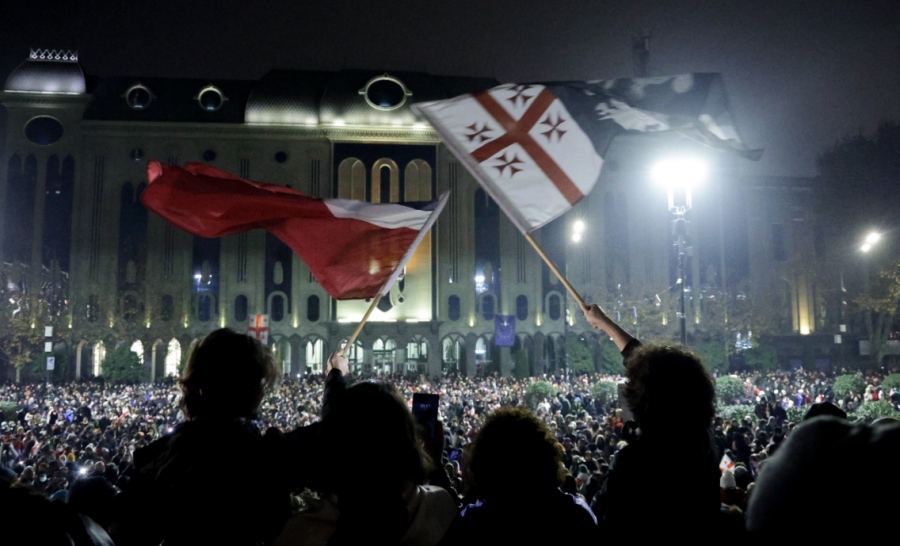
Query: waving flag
504	330
537	149
355	250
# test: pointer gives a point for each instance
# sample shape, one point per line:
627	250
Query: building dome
286	98
48	71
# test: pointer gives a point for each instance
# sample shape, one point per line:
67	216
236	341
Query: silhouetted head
226	376
372	422
668	388
514	443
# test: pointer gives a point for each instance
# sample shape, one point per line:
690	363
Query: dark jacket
538	517
209	482
682	463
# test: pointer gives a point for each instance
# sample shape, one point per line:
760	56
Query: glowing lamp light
873	237
679	172
866	247
576	237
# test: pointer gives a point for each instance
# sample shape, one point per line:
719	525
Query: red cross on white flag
522	145
259	328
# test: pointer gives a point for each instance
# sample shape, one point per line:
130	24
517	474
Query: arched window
173	357
416	354
453	308
315	356
97	357
283	355
166	307
352	179
452	353
487	243
240	308
482	356
521	307
417	181
204	307
130	306
312	308
276	307
487	306
554	307
385	181
383	352
355	355
93	308
138	348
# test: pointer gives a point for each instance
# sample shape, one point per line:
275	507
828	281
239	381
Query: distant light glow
679	172
339	123
873	237
576	237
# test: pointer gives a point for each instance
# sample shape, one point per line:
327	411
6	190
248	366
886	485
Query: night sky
800	74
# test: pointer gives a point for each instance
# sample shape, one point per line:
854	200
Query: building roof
47	71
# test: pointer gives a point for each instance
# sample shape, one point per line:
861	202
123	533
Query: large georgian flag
538	148
355	250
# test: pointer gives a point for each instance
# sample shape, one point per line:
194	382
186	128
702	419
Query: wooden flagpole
555	271
362	323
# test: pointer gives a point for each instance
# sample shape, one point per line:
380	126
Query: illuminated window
138	348
385	93
97	357
138	97
210	98
315	356
173	357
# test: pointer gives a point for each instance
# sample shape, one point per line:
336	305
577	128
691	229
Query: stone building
72	167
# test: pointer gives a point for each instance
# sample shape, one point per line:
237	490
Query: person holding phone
384	500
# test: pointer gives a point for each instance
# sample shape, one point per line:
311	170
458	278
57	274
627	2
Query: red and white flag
355	250
259	328
726	464
537	149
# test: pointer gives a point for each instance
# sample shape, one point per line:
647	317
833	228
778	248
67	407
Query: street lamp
575	237
872	238
679	175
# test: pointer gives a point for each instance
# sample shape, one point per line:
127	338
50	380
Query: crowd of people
319	461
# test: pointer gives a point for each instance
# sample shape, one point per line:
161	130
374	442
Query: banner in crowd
354	249
537	149
259	328
504	330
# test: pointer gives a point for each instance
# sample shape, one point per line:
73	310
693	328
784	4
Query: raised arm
598	319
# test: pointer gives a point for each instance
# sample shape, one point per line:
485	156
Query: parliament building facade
73	157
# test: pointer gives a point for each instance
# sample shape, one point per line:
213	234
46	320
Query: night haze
800	75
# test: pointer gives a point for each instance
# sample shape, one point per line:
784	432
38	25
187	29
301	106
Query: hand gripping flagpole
398	270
